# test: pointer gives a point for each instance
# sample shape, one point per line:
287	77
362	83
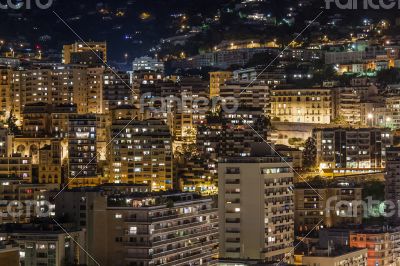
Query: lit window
133	230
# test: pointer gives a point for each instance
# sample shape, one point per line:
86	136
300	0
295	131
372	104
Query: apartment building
91	89
195	176
239	130
218	79
71	51
82	150
375	114
271	77
392	105
310	105
9	253
117	90
319	203
295	154
51	84
5	92
5	142
47	244
141	152
95	81
352	148
152	103
230	134
347	104
146	63
16	166
208	138
255	205
150	228
382	245
194	93
59	120
246	94
30	197
344	57
392	180
36	120
224	58
73	205
350	257
182	104
49	169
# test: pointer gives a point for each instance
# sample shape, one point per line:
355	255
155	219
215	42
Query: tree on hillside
296	142
260	59
388	76
310	153
11	123
340	120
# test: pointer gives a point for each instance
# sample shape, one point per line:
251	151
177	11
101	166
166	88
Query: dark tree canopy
310	153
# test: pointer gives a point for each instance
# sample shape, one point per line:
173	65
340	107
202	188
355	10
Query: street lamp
388	119
370	116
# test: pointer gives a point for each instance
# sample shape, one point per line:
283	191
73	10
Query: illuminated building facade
351	257
217	79
348	104
49	169
36	120
16	166
60	120
256	209
95	90
351	148
392	178
230	134
314	105
82	151
141	152
116	91
392	111
107	89
247	94
168	229
382	245
52	84
6	142
15	189
316	202
182	104
5	92
48	245
194	175
351	102
147	64
270	77
70	50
